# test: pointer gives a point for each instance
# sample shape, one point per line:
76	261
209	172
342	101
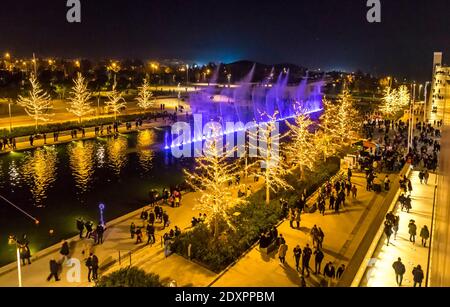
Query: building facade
439	105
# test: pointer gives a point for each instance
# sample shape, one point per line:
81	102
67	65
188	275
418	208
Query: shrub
130	277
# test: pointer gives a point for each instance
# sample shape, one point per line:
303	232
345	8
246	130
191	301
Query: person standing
64	251
54	269
80	226
297	218
282	250
94	267
138	235
354	191
132	230
399	269
332	200
424	234
89	265
297	256
100	231
318	258
307	252
418	276
396	225
150	234
412	231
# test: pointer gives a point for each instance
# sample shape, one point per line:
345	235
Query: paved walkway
381	273
256	269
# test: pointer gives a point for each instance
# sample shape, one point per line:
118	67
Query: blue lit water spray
101	207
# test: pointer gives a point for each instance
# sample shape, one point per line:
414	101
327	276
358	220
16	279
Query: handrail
433	221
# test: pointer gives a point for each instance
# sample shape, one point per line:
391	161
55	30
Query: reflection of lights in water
100	154
145	139
117	153
81	157
14	174
39	171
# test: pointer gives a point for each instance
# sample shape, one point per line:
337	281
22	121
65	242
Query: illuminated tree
394	100
145	96
266	141
327	138
79	100
347	118
301	149
37	104
211	179
116	101
389	104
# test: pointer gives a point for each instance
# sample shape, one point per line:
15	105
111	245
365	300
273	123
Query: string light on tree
115	101
79	103
37	104
145	95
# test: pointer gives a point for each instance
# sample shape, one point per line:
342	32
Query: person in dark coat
151	218
424	234
297	256
318	258
94	267
150	234
329	272
418	276
399	269
307	252
412	231
54	269
64	251
80	226
100	231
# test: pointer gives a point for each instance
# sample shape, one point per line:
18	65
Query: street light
187	75
13	241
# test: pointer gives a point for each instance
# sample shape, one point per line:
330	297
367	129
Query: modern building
440	91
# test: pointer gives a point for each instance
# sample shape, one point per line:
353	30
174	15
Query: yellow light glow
7	55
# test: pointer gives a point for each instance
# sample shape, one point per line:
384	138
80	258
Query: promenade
380	272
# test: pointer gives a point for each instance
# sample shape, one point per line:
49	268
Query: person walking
320	238
297	256
421	177
399	269
332	200
297	218
321	206
426	176
314	235
412	231
329	272
282	250
424	234
418	276
291	217
387	231
54	269
318	258
340	271
307	252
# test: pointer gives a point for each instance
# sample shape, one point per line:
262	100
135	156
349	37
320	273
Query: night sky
327	34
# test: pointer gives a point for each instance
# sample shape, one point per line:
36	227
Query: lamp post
425	105
187	75
101	207
10	117
13	241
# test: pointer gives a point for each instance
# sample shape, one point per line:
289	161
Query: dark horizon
326	34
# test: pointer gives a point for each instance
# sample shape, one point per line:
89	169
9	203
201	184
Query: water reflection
39	171
14	174
145	139
81	158
116	149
